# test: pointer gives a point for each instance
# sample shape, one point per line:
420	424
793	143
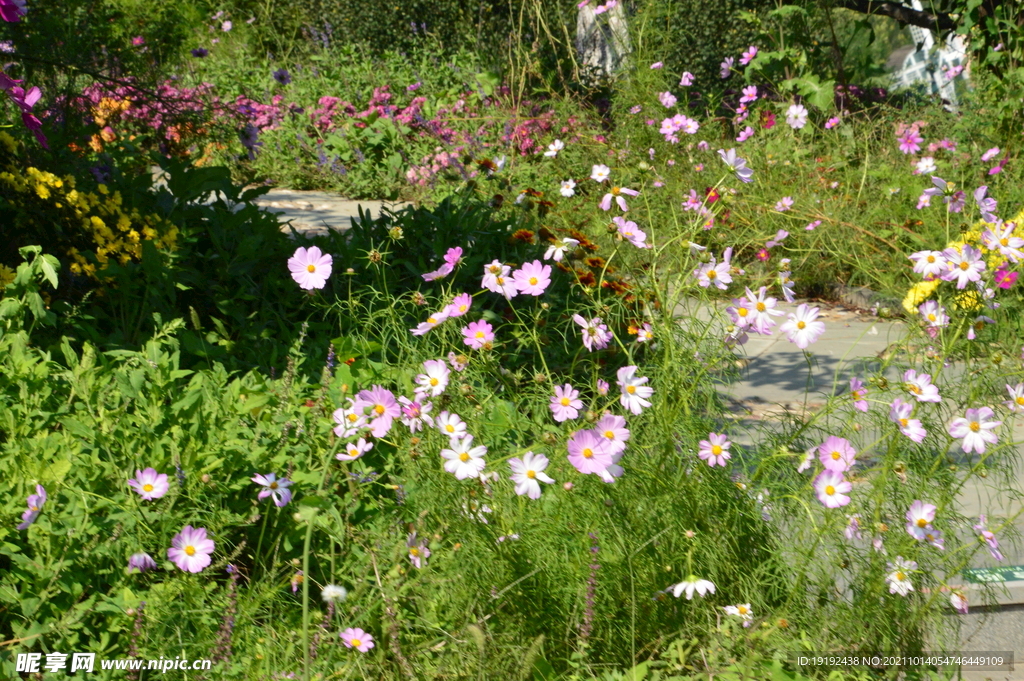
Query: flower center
712	274
379	409
147	487
356	643
761	307
1020	400
964	265
630	389
565	401
414	551
1004	242
533	281
190	550
352	418
273	485
914	388
463	457
801	325
588	453
611	435
903	422
975	426
921	522
742	311
931	317
463	308
615	191
830	490
931	258
311	268
716	449
742	610
33	508
501	281
900	576
531	474
836	456
480	334
431	320
433	381
450	428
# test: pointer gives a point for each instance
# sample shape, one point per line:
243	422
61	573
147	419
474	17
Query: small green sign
1010	573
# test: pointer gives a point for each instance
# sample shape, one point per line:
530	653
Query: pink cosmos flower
432	322
656	65
812	226
898	577
349	420
645	333
358	639
602	387
12	10
802	329
933	314
990	154
452	258
852	530
921	386
832	489
1003	240
763	255
857	392
718	274
497	279
738	165
190	549
784	204
959	601
463	459
310	267
415	414
630	232
1016	401
380	408
149	484
667	99
458	362
596	335
272	487
532	278
557	250
354	450
899	413
910	141
478	335
613	429
988	537
749	94
686	80
715	450
589	452
35	506
740	311
837	454
434	380
748	55
418	551
599	173
634	393
833	122
726	67
930	264
566	405
762	309
965	264
920	517
460	305
617	194
745	134
528	473
976	429
140	562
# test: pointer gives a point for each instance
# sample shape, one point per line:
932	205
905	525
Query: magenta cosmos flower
910	141
12	10
149	484
634	393
460	305
715	450
976	429
566	405
718	274
528	473
432	322
596	335
589	452
532	278
381	407
451	260
35	505
837	454
802	329
190	549
478	335
832	489
857	393
358	639
272	487
988	537
354	450
310	267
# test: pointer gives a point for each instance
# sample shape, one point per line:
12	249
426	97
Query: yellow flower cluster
922	290
114	231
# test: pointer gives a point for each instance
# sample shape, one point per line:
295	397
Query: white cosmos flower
692	584
554	148
899	577
600	173
528	473
568	188
463	459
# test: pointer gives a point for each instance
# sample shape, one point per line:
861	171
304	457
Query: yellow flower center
588	453
352	418
716	449
836	456
921	522
431	320
1020	400
931	317
463	457
501	281
353	451
379	409
761	307
356	643
903	422
742	311
830	490
190	550
147	487
463	308
630	389
615	191
33	508
742	610
900	576
712	274
913	388
931	258
975	426
565	401
1004	242
433	381
493	269
273	485
533	281
450	428
414	551
964	265
311	267
801	324
609	434
480	334
531	474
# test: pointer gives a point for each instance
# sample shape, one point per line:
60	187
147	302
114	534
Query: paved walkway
776	378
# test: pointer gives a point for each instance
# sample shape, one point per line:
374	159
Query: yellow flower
6	273
919	293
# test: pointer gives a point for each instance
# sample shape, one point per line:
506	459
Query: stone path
776	378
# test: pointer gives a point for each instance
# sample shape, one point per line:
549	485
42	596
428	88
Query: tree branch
906	15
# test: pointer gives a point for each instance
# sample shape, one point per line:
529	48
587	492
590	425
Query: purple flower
667	99
528	473
379	405
282	76
965	265
141	562
748	56
358	639
566	405
988	537
686	80
745	134
596	335
899	413
726	67
589	452
478	334
272	487
35	505
149	484
190	549
975	427
738	165
910	141
200	52
857	392
837	454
